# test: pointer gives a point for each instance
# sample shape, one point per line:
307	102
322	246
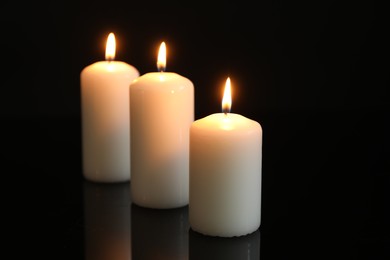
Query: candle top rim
226	122
162	78
111	66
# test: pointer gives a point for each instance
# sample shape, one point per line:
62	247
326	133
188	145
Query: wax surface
105	120
225	175
161	112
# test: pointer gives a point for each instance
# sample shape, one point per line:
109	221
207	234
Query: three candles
213	165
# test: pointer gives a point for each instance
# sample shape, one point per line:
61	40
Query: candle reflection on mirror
107	221
159	233
207	247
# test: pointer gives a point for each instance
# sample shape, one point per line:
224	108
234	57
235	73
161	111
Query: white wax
105	120
225	175
161	113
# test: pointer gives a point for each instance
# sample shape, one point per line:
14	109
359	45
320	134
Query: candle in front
225	173
105	118
161	113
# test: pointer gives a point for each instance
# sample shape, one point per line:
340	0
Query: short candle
105	117
161	113
225	173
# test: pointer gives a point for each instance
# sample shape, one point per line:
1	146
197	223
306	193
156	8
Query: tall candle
105	118
225	173
161	113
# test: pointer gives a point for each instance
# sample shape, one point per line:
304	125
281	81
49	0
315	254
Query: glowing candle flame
162	57
110	47
227	98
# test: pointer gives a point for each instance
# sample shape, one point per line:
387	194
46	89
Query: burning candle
161	113
225	173
105	117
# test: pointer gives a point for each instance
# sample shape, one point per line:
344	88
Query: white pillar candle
225	173
161	113
105	118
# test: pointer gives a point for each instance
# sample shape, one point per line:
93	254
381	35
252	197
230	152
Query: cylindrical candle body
225	175
161	113
105	120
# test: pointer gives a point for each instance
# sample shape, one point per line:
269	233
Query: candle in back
161	113
105	118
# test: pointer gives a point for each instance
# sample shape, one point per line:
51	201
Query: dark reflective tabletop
114	228
313	206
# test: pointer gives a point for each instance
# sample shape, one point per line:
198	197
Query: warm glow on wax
225	173
105	117
162	57
110	47
161	112
227	98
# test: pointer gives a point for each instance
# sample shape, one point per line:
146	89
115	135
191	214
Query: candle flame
162	57
227	98
110	47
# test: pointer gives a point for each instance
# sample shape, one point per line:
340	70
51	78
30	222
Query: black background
315	75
